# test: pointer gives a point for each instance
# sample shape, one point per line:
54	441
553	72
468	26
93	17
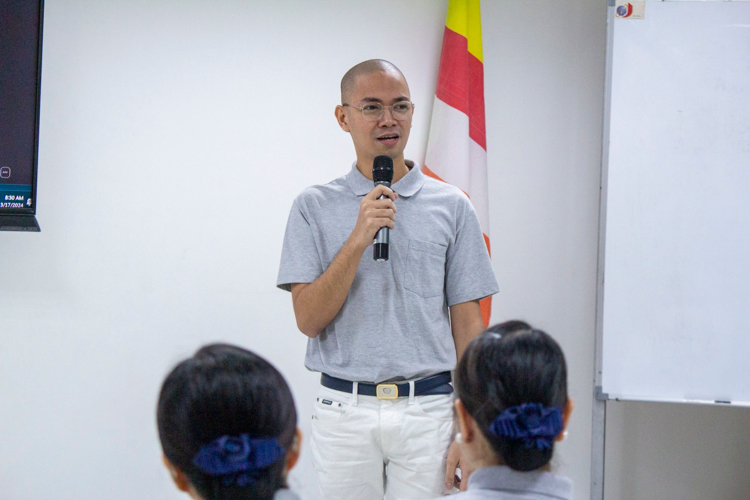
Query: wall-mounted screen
20	77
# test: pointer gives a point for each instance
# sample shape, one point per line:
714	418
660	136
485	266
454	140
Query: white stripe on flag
457	159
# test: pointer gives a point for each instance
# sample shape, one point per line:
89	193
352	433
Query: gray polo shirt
394	323
504	483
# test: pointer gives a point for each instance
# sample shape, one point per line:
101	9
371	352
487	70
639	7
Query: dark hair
508	365
225	390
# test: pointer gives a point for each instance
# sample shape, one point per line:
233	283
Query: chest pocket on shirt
425	268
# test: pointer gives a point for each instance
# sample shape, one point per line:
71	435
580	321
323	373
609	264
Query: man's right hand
317	303
374	214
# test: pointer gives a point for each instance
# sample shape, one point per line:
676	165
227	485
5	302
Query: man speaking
383	333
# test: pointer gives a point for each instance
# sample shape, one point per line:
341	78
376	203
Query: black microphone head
382	169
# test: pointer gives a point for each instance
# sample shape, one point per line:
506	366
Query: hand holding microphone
376	211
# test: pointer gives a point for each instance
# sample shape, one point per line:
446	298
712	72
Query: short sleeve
468	270
300	261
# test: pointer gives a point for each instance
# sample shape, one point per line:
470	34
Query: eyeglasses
372	111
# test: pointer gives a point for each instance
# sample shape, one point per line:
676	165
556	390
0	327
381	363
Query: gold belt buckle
386	391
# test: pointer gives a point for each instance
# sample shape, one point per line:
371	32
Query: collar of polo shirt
407	186
503	478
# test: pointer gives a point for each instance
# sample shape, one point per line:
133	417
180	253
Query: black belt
428	386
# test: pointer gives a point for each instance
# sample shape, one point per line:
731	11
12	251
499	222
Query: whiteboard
675	295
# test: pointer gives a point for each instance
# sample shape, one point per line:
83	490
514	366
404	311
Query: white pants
365	448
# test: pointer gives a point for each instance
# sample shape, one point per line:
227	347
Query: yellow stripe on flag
465	18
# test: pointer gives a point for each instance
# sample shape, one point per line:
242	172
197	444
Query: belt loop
355	393
411	392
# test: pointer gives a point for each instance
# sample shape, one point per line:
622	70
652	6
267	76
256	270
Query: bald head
364	68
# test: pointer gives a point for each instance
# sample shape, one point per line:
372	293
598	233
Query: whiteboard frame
599	403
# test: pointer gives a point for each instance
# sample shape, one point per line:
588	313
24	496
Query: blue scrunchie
536	425
239	458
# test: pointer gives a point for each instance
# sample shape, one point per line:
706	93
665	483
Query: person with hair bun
228	426
512	405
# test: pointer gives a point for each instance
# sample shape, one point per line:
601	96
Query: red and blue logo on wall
624	10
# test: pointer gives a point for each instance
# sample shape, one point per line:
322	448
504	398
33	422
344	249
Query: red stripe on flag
453	73
477	129
461	83
485	305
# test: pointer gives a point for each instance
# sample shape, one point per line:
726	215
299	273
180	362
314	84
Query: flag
457	143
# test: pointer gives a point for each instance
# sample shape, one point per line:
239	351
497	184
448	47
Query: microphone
382	173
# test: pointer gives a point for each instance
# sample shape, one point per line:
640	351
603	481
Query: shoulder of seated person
285	494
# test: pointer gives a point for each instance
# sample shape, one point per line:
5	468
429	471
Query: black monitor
20	84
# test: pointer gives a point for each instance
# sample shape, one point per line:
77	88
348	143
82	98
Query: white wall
172	144
544	74
174	137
